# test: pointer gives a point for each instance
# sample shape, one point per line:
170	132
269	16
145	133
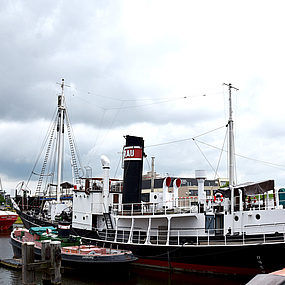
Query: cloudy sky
147	68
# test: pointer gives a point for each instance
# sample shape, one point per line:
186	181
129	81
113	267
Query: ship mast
231	145
61	110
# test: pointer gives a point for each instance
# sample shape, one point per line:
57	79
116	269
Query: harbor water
132	275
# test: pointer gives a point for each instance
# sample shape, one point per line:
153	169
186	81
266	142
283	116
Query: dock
11	263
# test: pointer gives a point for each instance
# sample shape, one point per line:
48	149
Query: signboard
132	153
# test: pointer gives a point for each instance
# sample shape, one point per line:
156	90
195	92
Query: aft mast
231	145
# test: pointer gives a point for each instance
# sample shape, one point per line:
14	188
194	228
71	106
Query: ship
7	219
238	231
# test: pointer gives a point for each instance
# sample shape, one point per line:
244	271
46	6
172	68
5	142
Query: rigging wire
73	138
53	122
101	123
182	140
89	102
107	131
129	100
162	99
204	155
155	103
119	162
256	160
220	157
221	149
41	130
148	163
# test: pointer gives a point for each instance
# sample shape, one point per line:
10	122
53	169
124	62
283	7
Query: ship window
236	218
75	217
193	192
145	197
83	218
257	216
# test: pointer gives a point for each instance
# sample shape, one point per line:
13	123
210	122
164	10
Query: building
188	188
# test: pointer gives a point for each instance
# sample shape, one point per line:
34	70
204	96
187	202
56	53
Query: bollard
55	247
50	263
46	254
28	256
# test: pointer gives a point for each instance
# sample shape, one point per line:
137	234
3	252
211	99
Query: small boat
73	252
7	219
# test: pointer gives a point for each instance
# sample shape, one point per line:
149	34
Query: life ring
253	200
218	198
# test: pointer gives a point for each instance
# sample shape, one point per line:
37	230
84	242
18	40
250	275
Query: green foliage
2	200
226	185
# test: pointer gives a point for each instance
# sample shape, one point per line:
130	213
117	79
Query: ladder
39	185
108	221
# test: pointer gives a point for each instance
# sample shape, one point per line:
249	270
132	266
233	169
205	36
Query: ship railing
197	237
179	206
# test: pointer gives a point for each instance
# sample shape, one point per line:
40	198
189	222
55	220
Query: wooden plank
12	263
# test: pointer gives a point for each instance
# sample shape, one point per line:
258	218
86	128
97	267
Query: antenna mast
231	145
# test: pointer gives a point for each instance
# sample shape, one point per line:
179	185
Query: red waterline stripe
202	268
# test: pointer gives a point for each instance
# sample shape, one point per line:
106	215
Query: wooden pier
50	265
11	263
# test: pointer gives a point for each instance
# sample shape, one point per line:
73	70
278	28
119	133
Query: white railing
197	237
180	206
147	208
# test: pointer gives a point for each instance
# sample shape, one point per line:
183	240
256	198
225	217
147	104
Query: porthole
155	197
83	218
257	216
75	217
236	218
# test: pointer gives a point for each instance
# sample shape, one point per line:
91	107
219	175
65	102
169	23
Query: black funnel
133	167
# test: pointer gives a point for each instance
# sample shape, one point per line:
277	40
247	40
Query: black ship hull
214	259
33	221
237	259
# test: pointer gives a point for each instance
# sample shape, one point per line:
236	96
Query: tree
2	200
